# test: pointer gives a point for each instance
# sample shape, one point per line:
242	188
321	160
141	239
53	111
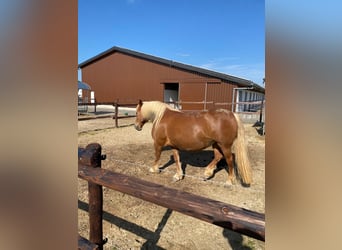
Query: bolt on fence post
92	158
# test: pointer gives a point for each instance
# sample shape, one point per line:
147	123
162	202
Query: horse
195	131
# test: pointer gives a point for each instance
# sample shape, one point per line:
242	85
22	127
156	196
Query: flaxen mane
154	111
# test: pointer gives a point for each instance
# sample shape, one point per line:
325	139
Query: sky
227	36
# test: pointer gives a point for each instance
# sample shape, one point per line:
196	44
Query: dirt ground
131	223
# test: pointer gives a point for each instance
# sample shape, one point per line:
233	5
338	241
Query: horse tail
241	153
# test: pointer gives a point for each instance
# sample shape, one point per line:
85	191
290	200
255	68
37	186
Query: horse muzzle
138	127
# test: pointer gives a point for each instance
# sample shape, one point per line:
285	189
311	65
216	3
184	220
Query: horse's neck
154	111
151	116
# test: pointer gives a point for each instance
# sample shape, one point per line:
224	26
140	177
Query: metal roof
83	85
205	72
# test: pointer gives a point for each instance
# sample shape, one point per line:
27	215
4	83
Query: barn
127	75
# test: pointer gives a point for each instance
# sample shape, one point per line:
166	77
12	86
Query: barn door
171	93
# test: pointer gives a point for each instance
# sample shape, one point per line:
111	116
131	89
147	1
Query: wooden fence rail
225	215
116	106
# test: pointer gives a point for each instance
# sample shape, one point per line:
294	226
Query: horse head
140	120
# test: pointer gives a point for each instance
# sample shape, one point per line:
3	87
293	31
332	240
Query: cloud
254	72
183	54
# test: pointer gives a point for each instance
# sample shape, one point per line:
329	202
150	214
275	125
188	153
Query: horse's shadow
199	159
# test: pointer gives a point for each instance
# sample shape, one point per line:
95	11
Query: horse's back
206	119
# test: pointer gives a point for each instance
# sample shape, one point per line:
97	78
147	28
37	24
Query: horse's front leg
157	153
179	174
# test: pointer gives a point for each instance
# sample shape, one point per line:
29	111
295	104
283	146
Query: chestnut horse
221	129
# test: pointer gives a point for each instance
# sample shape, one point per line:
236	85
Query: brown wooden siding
192	92
122	77
129	78
220	92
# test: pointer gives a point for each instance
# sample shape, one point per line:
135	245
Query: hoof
152	170
228	183
246	184
207	176
177	177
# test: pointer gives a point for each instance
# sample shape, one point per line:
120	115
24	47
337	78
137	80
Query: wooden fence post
116	113
261	110
92	158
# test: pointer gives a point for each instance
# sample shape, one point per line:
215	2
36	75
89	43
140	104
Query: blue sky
221	35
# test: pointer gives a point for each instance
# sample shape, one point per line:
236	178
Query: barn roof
205	72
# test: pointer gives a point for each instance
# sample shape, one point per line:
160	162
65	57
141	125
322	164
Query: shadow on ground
152	237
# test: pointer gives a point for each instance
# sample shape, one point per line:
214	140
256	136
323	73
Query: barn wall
192	92
122	77
220	93
128	78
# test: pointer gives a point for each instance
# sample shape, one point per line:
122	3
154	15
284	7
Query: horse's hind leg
179	174
209	170
230	161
